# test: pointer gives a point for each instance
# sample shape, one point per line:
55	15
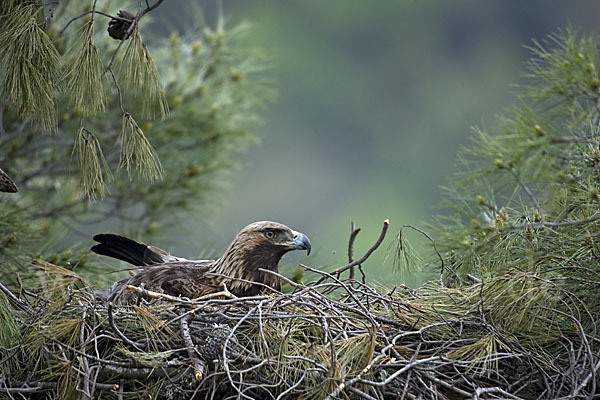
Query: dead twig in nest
368	253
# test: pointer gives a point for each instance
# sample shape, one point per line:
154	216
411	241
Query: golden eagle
258	245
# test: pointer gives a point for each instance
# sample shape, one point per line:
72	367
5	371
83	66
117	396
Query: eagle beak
301	242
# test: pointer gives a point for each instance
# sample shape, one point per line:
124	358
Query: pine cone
117	29
212	347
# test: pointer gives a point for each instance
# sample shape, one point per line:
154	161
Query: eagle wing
178	278
161	272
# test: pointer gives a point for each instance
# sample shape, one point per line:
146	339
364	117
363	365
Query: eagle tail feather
121	248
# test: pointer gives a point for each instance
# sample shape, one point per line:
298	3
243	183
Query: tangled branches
520	335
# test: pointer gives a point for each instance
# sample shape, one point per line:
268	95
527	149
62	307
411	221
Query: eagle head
260	245
266	237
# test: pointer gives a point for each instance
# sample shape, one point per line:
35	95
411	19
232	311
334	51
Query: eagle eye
269	234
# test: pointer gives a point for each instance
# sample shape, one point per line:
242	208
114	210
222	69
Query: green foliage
525	196
15	235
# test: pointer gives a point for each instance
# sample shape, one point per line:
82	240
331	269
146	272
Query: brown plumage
258	245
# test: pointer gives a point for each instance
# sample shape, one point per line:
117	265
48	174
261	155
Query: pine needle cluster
84	74
139	76
90	158
31	65
33	79
137	152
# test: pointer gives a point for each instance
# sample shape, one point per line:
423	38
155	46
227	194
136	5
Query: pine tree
118	126
524	202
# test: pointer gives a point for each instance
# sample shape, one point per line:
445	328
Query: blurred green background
375	97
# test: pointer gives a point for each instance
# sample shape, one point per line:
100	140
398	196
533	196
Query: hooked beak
301	242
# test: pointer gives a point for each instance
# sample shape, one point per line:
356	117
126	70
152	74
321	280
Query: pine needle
83	73
131	71
153	94
9	333
137	152
406	259
139	75
91	160
31	66
148	359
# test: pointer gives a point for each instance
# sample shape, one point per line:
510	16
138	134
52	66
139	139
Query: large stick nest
519	335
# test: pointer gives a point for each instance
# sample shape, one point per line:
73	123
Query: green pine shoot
83	73
153	94
139	75
31	65
137	152
91	161
406	259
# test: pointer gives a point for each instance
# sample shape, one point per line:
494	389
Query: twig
484	391
361	260
386	381
536	204
134	24
33	387
198	365
474	278
136	373
182	300
277	274
547	224
112	74
14	299
92	11
353	233
560	217
114	327
574	140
